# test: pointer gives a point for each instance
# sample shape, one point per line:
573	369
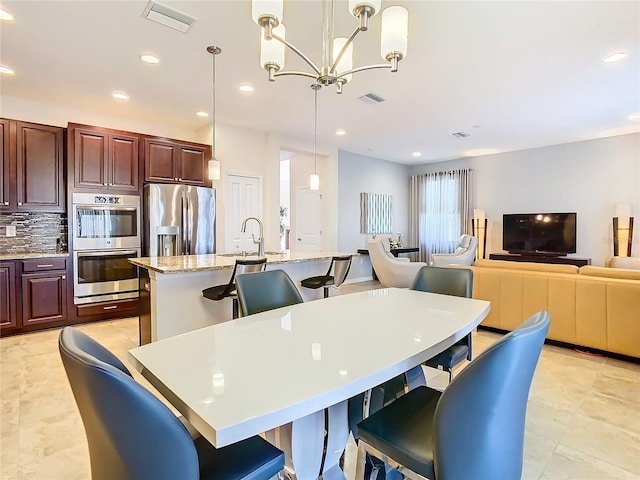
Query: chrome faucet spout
260	240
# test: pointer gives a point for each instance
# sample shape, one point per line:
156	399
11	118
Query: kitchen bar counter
201	263
26	256
171	287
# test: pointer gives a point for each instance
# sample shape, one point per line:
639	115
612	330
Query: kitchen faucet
260	240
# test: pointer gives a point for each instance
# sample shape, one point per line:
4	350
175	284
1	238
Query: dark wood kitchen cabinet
44	291
169	161
32	167
104	159
8	296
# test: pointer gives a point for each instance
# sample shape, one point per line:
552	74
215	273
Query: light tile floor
583	418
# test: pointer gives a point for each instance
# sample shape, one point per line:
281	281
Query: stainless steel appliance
104	275
106	233
179	220
105	221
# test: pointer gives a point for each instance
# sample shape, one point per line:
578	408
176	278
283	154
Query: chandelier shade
395	30
267	9
337	53
272	52
346	62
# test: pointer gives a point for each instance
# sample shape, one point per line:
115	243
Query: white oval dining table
291	371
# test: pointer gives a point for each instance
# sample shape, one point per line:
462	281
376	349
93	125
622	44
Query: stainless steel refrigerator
179	220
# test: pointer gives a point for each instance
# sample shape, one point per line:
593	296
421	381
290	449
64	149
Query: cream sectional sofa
590	306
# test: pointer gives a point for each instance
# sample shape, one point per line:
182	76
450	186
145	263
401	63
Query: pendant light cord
315	87
213	50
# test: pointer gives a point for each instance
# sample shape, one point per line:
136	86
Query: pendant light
314	178
214	164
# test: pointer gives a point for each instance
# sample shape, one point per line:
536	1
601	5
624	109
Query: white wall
357	174
588	177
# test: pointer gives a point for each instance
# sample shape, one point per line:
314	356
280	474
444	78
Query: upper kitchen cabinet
169	161
32	167
104	159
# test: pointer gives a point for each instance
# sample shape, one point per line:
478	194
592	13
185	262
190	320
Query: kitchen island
171	287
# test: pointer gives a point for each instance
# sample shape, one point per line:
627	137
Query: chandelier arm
292	72
298	52
344	49
362	69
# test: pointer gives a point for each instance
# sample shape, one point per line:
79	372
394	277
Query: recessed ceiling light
615	57
341	132
416	154
6	70
202	114
148	58
120	96
4	15
634	116
246	88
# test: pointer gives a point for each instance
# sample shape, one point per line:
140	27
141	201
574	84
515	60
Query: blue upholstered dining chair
447	281
262	291
132	435
472	430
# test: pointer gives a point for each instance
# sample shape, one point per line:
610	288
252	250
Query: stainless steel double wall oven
106	233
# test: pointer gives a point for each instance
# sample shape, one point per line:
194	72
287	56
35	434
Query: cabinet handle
19	203
105	184
45	266
179	179
110	308
6	203
175	179
64	277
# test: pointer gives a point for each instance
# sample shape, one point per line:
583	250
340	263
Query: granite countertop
199	263
26	256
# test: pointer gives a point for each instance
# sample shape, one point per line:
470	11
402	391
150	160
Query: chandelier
337	53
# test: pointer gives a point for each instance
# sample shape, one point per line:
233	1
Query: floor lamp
622	231
479	230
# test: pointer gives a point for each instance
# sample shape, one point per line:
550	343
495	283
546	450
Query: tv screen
550	233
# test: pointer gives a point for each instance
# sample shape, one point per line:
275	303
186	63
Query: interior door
308	226
242	200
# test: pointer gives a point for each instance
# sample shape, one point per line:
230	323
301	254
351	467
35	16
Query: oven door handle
101	254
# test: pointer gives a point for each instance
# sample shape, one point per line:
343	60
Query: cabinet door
123	162
4	164
8	299
39	157
90	159
44	298
159	161
193	165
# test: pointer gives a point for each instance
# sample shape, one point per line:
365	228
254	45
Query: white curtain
440	210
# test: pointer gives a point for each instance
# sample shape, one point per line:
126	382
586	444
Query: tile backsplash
35	232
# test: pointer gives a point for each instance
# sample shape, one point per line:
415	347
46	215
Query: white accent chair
465	254
391	271
630	263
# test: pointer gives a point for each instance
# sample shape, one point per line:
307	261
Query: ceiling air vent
371	98
169	17
460	134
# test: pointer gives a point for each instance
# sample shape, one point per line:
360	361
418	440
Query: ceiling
514	75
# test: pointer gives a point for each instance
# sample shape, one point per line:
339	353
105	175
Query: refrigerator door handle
189	214
185	225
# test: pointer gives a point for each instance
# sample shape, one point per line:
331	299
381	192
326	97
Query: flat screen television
541	233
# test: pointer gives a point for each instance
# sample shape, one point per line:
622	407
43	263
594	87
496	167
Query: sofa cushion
530	266
622	273
632	263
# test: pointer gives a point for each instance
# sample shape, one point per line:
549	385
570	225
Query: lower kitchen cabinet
44	297
8	296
